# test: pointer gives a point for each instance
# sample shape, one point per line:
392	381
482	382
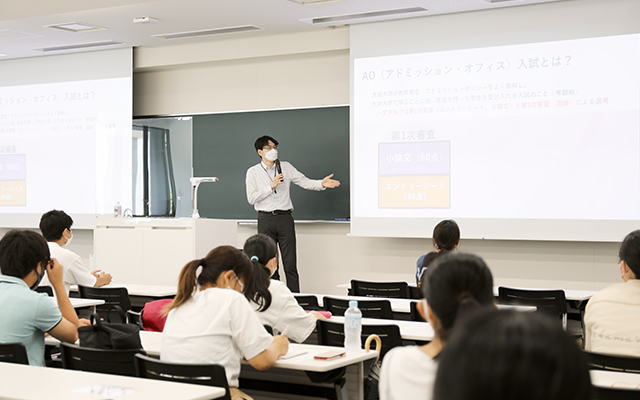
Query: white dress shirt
74	271
263	198
285	311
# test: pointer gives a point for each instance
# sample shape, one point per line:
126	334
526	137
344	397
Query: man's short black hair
264	141
53	224
21	251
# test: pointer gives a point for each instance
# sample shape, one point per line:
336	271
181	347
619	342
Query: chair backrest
199	374
414	314
393	290
370	308
115	362
610	362
307	302
332	334
552	302
45	289
111	296
14	353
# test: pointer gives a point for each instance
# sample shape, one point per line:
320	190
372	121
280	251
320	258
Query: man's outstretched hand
330	183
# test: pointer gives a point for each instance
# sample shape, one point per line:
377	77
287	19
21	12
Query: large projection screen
65	136
532	140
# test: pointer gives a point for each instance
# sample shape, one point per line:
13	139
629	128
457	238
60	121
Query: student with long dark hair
210	321
510	355
446	237
455	285
611	322
273	301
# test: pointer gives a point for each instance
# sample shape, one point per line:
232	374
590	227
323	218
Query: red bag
152	315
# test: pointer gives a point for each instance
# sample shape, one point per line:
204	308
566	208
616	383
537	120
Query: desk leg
353	388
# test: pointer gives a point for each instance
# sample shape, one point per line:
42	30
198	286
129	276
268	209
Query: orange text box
415	192
13	193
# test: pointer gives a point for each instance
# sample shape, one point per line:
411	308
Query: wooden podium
153	250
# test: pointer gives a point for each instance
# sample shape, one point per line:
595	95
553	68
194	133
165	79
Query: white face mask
238	280
69	241
271	155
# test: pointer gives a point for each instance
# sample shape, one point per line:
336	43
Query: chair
370	308
13	353
199	374
332	334
610	362
552	302
308	302
414	314
391	290
111	296
115	362
45	289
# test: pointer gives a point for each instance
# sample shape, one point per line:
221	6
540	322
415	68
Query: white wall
291	71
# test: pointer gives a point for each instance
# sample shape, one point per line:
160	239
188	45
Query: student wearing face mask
272	300
210	320
26	315
56	229
268	191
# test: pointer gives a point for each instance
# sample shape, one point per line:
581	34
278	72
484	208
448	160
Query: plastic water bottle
352	327
117	210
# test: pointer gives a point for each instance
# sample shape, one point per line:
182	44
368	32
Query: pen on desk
285	331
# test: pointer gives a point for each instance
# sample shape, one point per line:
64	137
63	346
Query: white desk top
622	380
135	289
37	383
576	295
409	330
401	305
77	303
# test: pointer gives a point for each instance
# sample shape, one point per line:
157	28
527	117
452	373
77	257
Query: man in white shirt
56	229
268	191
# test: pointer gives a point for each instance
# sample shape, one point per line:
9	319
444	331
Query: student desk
138	293
401	307
25	382
409	330
284	369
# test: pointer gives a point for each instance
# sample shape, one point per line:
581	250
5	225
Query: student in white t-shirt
211	322
56	229
274	302
455	284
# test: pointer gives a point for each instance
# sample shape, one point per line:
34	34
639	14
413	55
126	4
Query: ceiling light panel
75	27
79	46
368	16
208	32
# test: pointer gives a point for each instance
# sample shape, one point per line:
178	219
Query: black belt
276	212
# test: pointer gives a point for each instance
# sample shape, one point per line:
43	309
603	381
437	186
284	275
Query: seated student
455	284
611	323
210	321
446	237
510	355
56	228
273	300
25	315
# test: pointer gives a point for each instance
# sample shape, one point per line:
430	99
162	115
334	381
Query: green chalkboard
315	141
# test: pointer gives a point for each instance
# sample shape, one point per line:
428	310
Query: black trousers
280	227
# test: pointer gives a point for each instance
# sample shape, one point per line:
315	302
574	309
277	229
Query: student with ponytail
446	237
273	301
455	286
210	321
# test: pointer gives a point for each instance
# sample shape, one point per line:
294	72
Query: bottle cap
353	303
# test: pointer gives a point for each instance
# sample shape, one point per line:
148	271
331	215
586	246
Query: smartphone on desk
330	355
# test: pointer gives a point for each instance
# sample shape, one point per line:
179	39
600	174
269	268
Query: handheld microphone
278	166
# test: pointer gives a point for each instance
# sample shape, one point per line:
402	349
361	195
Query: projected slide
532	131
63	144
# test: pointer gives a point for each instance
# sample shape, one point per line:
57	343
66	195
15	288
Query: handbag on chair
109	335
